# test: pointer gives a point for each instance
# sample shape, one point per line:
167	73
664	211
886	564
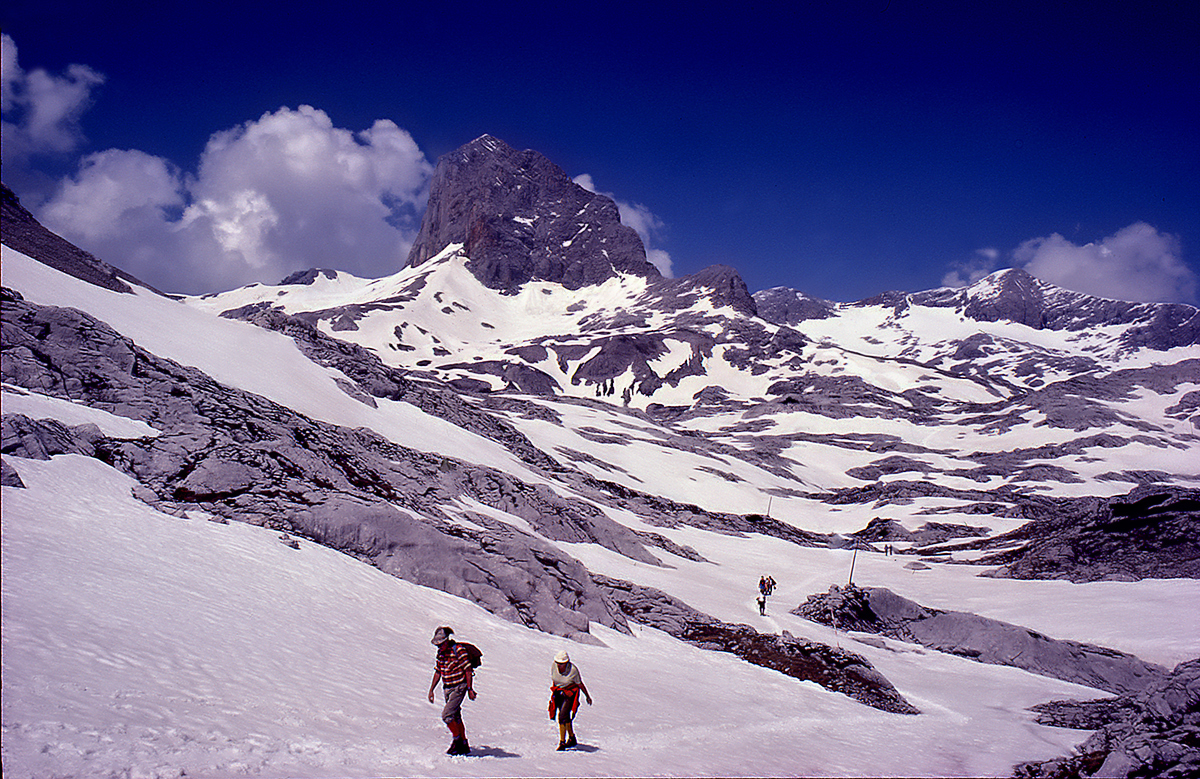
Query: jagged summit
521	218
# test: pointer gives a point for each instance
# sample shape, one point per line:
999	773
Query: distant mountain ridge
1013	295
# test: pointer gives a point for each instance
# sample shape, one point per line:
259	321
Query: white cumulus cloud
284	192
41	110
641	219
1137	263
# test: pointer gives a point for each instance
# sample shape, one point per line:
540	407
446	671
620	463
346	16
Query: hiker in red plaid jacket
453	668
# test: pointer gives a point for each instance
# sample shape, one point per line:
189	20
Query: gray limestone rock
9	476
784	306
1149	533
521	218
879	610
40	439
1151	732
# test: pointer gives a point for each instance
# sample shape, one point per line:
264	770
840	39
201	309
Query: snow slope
139	644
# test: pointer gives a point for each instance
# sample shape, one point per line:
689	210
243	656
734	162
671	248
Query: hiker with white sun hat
565	687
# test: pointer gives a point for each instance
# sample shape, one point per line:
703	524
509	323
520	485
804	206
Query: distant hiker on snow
453	668
565	686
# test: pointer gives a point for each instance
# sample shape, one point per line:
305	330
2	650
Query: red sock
456	728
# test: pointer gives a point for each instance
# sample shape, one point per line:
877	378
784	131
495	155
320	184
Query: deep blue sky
841	152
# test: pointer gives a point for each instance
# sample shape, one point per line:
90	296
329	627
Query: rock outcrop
1154	732
521	218
833	668
879	610
1149	533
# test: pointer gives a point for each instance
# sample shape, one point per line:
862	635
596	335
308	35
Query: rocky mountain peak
520	218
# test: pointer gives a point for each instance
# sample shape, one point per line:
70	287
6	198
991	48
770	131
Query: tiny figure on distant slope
565	686
453	668
762	605
770	585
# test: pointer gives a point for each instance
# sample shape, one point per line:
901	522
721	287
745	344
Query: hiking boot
459	747
570	742
562	746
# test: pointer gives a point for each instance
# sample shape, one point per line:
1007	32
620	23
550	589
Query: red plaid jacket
454	664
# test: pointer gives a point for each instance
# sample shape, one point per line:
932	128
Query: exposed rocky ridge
1149	533
929	533
21	231
1013	295
308	276
784	306
520	218
1153	732
832	668
237	455
879	610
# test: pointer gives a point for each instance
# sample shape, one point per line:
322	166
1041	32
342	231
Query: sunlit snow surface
139	644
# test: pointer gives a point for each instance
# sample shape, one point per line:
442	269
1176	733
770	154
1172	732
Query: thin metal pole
850	581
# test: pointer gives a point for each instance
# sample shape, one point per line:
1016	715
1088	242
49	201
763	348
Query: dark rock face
1149	533
9	476
41	439
308	276
783	306
879	610
1018	298
521	218
1153	732
720	283
22	232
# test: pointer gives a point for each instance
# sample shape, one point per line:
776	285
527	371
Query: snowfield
140	644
